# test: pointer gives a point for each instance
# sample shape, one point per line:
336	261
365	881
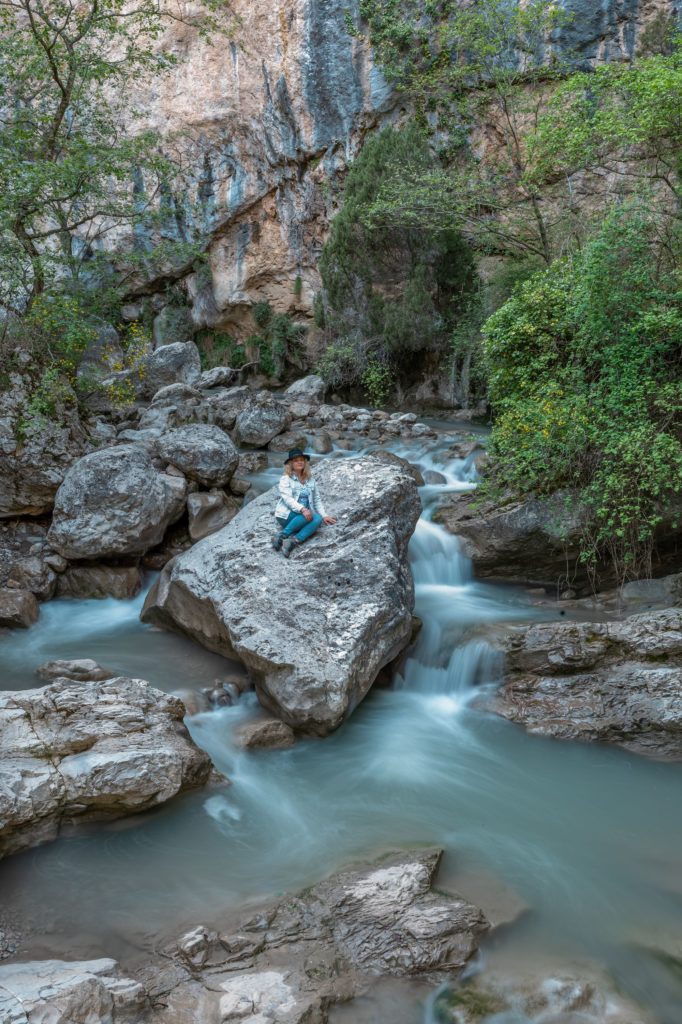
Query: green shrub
585	380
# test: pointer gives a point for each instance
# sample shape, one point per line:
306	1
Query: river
580	844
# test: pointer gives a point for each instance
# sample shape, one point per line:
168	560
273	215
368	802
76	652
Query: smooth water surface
588	838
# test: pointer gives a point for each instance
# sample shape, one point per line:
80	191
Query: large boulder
261	420
315	630
618	682
75	750
178	363
114	502
308	389
202	452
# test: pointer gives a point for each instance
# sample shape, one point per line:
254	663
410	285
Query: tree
74	167
390	293
465	65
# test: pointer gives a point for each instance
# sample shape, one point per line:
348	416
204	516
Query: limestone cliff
265	121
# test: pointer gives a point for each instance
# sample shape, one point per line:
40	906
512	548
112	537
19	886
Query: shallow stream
580	845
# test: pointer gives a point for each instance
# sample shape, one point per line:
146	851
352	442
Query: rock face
209	511
92	580
75	750
285	964
619	682
34	458
201	452
347	594
114	502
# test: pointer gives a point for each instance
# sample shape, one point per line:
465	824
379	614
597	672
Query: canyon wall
265	120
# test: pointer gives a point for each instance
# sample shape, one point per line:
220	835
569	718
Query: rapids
587	839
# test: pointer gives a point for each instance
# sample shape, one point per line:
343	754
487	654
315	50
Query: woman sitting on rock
300	511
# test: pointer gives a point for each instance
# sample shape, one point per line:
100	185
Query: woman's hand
307	514
330	520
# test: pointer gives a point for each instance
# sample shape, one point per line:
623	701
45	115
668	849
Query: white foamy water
588	837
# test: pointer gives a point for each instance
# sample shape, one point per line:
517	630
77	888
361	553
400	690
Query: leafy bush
585	380
279	341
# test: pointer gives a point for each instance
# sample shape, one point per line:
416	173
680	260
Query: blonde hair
307	471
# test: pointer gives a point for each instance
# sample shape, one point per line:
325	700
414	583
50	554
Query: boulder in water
617	682
97	580
18	608
83	670
314	630
114	502
75	750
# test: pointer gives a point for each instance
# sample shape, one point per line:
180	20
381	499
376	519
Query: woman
300	511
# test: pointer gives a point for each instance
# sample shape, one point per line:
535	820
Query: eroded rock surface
75	750
114	502
348	592
201	452
619	682
284	964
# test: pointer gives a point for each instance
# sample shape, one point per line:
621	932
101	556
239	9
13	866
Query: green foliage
584	373
217	348
378	381
279	341
390	293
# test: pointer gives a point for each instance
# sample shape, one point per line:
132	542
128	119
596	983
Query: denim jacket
289	489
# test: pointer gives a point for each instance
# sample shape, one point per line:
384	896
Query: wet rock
209	511
357	611
201	452
114	502
99	581
75	750
308	389
82	670
432	477
265	734
69	992
260	421
617	682
18	608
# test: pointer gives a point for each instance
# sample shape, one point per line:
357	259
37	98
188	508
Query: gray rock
73	992
209	512
99	580
101	355
89	750
223	406
252	462
618	682
33	574
178	363
18	608
82	670
219	376
260	421
114	502
35	454
288	440
308	389
202	452
322	443
353	584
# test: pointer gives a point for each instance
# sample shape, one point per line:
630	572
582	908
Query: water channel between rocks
583	841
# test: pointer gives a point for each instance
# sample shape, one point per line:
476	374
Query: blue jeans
297	524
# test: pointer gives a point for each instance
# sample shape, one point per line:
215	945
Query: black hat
296	453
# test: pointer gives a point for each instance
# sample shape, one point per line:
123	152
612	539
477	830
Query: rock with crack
75	750
313	658
114	502
618	682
